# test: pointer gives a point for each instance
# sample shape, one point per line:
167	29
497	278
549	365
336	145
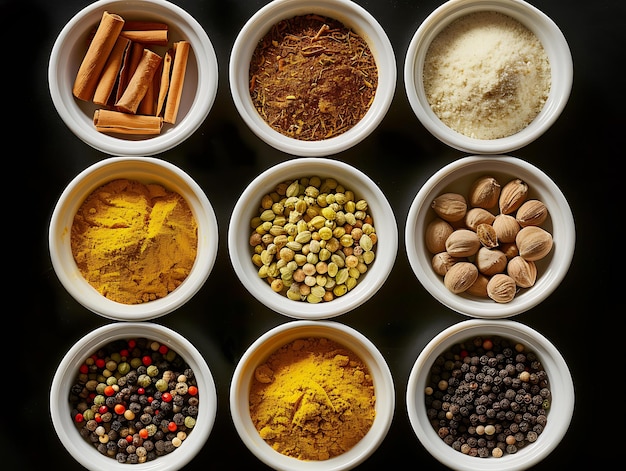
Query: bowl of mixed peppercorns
133	393
490	395
312	238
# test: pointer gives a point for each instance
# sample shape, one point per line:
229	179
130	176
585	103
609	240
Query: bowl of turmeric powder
133	238
133	78
312	78
304	376
312	238
488	77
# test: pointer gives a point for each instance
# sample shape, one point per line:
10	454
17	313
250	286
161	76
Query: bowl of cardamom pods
133	78
488	77
312	396
312	238
133	238
490	236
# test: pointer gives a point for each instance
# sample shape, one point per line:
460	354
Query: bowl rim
203	99
239	233
563	233
282	334
561	386
129	167
60	412
352	15
539	23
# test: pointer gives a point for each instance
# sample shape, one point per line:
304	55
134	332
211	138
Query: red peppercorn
100	363
192	390
109	390
132	343
119	409
163	349
146	360
464	353
143	433
103	409
172	427
150	399
141	391
84	369
97	417
167	397
124	352
78	418
129	438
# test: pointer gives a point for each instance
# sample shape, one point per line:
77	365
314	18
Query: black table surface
579	152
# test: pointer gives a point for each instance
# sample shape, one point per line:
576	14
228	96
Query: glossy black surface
579	152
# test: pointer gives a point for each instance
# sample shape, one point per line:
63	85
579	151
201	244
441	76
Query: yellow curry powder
312	399
133	242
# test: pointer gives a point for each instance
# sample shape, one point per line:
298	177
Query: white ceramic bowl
560	382
145	170
199	90
272	340
351	15
245	209
60	409
541	25
458	177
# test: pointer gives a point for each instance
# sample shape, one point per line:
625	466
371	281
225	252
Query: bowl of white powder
488	77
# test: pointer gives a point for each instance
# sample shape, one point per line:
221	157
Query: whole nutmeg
460	277
490	261
450	206
479	287
523	271
442	261
501	288
512	196
484	192
531	213
462	243
506	227
437	231
533	243
476	216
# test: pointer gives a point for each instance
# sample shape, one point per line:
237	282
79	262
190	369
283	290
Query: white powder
486	75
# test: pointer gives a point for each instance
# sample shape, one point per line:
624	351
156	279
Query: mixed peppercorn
488	396
135	400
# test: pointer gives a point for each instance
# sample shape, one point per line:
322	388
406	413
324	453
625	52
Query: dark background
579	152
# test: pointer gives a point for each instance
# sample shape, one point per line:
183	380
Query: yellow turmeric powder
134	242
312	399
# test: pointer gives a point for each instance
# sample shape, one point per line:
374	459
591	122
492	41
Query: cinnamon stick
165	81
109	121
97	54
179	67
139	82
138	25
129	67
147	106
155	37
110	72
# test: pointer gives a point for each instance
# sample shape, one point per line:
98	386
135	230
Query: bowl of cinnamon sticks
133	78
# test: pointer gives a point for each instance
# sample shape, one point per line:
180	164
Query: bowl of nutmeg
133	78
490	236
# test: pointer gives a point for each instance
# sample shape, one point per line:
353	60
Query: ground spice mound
312	78
312	399
133	242
486	75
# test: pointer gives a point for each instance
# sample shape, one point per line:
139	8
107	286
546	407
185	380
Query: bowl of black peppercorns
133	393
490	395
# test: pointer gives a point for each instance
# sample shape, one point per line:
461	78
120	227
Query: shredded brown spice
312	78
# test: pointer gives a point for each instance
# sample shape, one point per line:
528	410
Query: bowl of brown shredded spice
312	396
133	238
312	78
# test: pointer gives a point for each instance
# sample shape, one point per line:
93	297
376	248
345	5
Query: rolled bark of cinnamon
97	54
156	37
165	81
179	67
139	82
116	122
110	72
